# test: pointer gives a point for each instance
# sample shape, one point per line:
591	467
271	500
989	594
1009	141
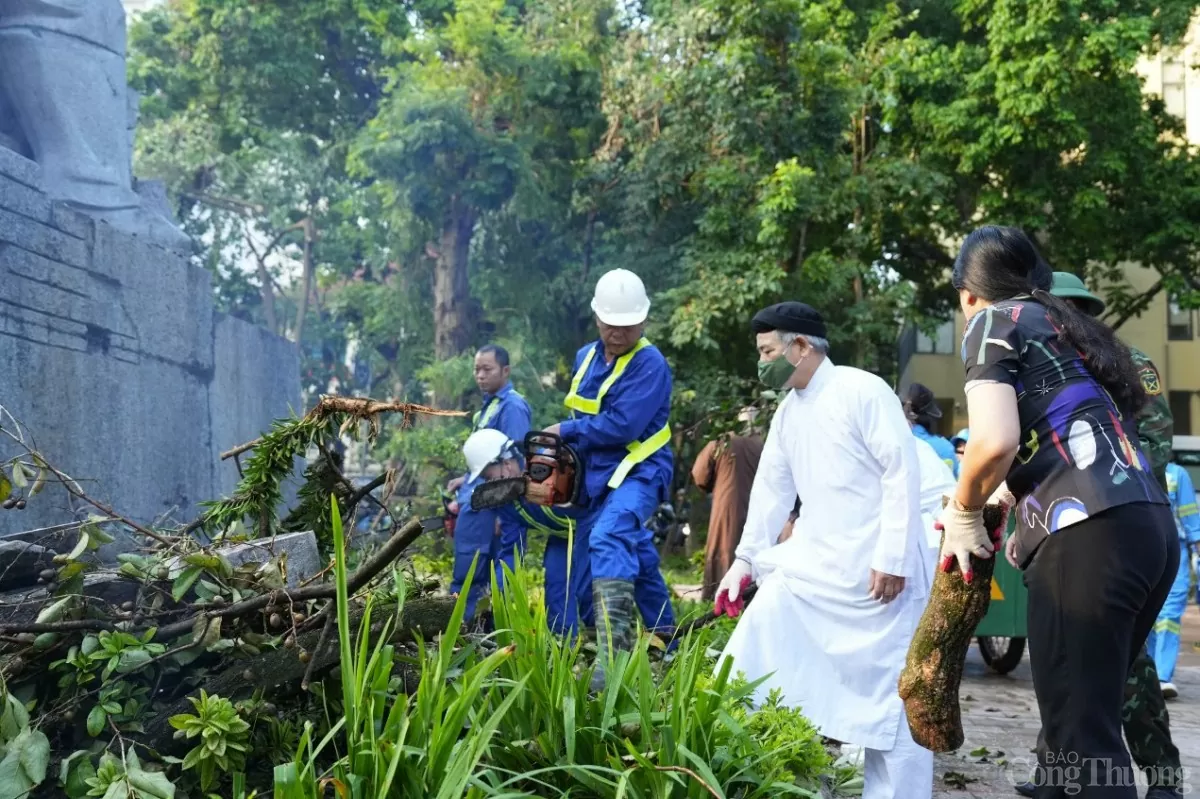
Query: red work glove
730	594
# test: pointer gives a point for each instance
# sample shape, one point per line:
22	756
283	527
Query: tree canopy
412	180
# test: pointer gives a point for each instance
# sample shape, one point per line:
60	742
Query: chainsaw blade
497	493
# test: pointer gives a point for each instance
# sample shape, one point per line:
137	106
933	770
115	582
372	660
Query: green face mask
776	373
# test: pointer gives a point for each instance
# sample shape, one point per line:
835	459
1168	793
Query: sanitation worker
490	455
838	602
506	411
620	399
1164	638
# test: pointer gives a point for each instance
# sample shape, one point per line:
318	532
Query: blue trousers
1163	642
475	536
613	543
561	606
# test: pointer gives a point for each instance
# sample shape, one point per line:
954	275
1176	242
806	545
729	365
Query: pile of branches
98	669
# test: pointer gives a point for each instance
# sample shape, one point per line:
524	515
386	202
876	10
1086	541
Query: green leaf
133	659
81	546
24	765
203	560
6	487
152	784
184	582
96	720
18	475
55	611
74	772
13	719
99	537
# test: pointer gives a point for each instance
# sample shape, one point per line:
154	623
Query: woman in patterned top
1051	395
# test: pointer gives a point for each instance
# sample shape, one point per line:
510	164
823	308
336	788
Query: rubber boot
614	607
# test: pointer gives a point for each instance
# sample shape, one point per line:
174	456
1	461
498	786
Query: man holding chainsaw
838	602
619	400
548	508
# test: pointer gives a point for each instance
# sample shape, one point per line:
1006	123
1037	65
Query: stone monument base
113	357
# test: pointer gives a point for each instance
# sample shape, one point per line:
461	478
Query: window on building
1179	322
1181	411
940	343
1174	86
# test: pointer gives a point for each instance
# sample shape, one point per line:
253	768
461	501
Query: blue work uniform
941	446
1163	642
562	603
619	428
556	524
475	530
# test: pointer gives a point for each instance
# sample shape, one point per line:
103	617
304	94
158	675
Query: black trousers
1095	590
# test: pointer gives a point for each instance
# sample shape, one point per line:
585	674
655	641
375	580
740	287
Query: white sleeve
890	441
771	497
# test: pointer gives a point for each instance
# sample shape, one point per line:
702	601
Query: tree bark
452	323
306	279
932	673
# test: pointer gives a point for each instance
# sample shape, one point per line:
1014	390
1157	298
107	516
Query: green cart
1001	633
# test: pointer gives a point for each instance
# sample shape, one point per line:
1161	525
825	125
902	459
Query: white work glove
1002	496
1007	500
733	584
963	535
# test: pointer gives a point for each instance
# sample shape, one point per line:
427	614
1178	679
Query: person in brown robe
725	468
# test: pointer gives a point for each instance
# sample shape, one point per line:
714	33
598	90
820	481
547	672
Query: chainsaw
553	476
445	522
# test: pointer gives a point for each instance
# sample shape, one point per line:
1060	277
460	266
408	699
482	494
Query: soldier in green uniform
1144	715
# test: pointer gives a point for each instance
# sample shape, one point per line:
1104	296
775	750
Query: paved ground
1000	714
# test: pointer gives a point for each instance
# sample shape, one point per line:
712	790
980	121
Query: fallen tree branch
933	669
74	490
277	670
361	576
77	625
358	407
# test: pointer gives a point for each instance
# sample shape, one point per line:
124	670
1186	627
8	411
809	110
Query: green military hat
1070	287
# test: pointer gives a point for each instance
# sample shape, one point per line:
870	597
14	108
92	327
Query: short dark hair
496	351
921	406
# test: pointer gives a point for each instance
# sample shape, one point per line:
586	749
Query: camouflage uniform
1144	715
1154	422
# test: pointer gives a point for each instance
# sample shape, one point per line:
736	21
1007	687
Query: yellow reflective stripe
638	452
592	406
541	528
1168	626
1188	510
533	524
554	517
488	414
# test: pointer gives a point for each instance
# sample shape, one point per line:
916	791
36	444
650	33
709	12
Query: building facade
1164	331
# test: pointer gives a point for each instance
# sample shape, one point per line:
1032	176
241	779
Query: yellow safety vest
534	525
638	450
489	413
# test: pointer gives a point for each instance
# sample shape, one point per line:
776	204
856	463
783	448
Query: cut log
932	673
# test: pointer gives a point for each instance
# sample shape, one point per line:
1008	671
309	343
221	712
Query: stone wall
113	357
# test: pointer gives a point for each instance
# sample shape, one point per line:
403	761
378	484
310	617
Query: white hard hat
620	299
482	448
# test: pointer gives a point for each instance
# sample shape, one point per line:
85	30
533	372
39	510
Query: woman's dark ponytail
999	263
1105	355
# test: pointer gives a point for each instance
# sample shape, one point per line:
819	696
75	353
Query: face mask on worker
776	374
